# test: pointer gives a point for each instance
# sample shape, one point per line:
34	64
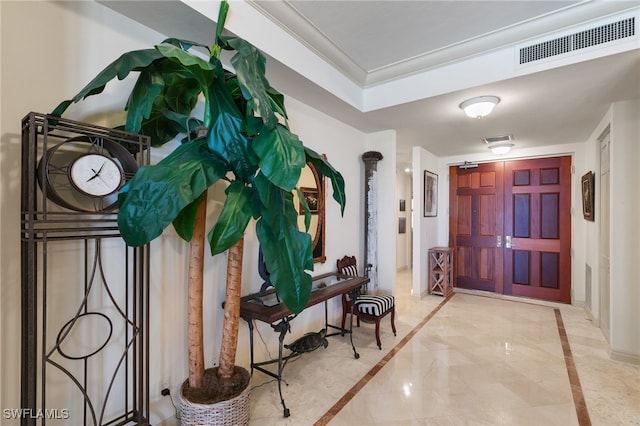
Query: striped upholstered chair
368	307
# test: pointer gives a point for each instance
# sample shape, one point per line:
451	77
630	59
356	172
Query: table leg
282	327
250	325
353	295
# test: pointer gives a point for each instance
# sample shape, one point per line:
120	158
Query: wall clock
84	173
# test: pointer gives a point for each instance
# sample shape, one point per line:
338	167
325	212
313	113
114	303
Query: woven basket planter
232	412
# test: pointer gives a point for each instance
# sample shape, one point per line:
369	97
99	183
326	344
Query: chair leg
378	333
344	318
393	320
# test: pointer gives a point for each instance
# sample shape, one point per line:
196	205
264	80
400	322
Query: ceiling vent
497	139
580	40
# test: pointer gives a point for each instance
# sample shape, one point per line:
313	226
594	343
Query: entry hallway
466	360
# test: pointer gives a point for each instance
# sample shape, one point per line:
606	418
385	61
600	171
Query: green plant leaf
222	18
263	190
227	132
307	211
281	155
276	206
277	102
181	91
249	65
233	220
184	223
185	58
163	88
120	68
142	98
337	181
184	44
171	113
155	196
204	72
286	259
185	123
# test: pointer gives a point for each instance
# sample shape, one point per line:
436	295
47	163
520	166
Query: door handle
499	241
507	242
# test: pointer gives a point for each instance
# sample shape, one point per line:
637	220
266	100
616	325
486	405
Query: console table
267	308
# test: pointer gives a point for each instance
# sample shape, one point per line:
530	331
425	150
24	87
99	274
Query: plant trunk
229	343
195	319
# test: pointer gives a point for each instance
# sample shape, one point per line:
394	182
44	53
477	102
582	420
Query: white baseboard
625	357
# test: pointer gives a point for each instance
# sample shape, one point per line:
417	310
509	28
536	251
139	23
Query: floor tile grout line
574	381
348	396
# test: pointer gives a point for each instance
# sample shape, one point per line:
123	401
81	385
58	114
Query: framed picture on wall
430	194
402	225
311	197
588	196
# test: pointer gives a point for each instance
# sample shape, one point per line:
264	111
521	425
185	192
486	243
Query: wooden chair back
347	266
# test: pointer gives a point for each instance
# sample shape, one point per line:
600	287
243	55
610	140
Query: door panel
475	221
538	220
510	227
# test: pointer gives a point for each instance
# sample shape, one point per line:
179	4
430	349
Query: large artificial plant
243	138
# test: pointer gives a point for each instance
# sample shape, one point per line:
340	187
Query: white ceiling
407	65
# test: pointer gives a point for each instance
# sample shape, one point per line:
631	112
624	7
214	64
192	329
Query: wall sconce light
479	107
499	145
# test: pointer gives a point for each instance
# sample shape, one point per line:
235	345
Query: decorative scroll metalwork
85	302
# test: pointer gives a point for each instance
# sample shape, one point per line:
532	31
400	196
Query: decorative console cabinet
441	270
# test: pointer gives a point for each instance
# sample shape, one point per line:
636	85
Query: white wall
62	45
625	231
404	241
586	233
624	338
428	231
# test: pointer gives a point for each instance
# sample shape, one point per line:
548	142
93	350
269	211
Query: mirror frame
318	242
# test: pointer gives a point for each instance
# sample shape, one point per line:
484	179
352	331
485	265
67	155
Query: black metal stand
56	353
352	295
282	328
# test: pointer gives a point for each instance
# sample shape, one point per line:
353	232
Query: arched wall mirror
311	185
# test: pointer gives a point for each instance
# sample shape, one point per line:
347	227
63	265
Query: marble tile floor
465	360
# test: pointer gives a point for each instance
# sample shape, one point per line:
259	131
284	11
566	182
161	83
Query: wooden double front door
510	227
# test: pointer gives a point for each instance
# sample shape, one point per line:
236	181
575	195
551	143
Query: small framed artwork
430	194
402	205
402	225
311	197
588	196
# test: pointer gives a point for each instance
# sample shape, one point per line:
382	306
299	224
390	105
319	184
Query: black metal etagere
85	297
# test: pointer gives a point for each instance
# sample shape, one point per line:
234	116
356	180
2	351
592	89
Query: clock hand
103	181
94	176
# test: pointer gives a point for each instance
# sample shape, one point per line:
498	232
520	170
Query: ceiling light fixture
500	148
499	145
479	107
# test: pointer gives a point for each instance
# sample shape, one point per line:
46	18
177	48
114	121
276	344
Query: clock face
85	173
95	175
